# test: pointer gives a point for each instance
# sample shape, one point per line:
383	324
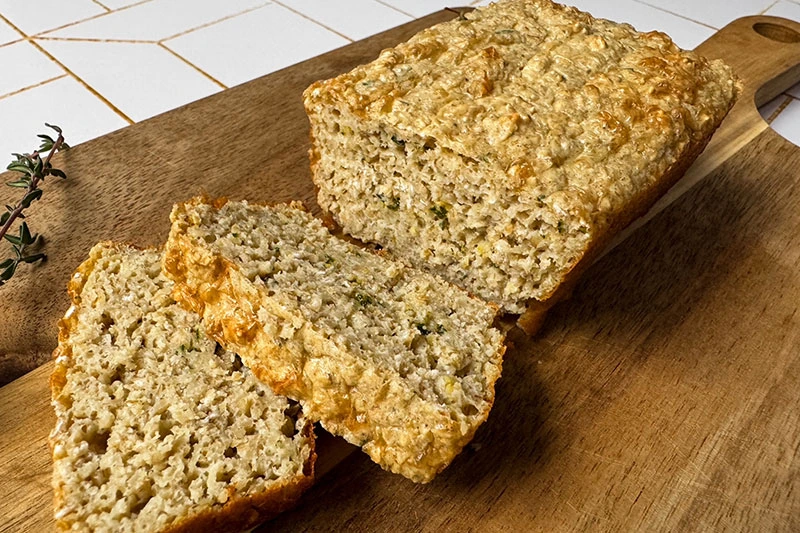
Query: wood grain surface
662	397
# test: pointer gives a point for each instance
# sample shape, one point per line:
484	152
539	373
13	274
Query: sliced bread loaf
502	149
158	428
392	359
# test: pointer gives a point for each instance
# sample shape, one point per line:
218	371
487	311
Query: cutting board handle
763	51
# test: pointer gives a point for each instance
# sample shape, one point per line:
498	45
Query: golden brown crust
238	513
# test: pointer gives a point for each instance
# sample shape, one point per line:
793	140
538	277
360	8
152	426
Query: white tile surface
685	33
142	80
64	102
420	8
155	20
27	66
116	4
716	13
7	33
256	43
784	9
355	19
788	122
42	15
770	107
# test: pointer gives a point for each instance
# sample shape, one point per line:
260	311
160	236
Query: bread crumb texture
158	428
497	148
392	359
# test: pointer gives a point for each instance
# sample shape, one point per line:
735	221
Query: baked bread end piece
158	428
502	150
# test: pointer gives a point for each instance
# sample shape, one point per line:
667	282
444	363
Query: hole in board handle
776	32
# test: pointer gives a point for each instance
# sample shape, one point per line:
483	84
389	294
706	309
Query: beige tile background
94	66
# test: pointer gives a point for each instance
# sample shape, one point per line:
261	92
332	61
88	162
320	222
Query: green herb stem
33	185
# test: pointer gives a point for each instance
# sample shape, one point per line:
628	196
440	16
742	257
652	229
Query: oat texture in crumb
392	359
158	428
502	149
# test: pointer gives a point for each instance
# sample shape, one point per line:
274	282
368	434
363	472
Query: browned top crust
554	98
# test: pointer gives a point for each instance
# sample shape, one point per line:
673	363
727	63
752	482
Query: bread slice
392	359
502	149
158	428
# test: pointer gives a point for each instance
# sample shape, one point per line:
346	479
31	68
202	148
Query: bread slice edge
214	287
239	513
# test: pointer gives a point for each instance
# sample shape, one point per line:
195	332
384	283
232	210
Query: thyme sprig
33	170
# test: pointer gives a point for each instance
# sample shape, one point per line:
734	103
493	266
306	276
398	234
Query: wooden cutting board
664	396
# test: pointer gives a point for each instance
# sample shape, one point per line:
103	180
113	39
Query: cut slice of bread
392	359
158	428
503	149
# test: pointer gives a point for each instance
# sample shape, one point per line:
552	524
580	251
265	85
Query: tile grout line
773	4
93	17
318	23
101	5
80	80
39	84
92	40
189	63
12	42
684	17
207	24
19	32
396	9
44	37
68	71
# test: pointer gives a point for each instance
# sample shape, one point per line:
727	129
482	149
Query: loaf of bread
392	359
501	150
158	428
